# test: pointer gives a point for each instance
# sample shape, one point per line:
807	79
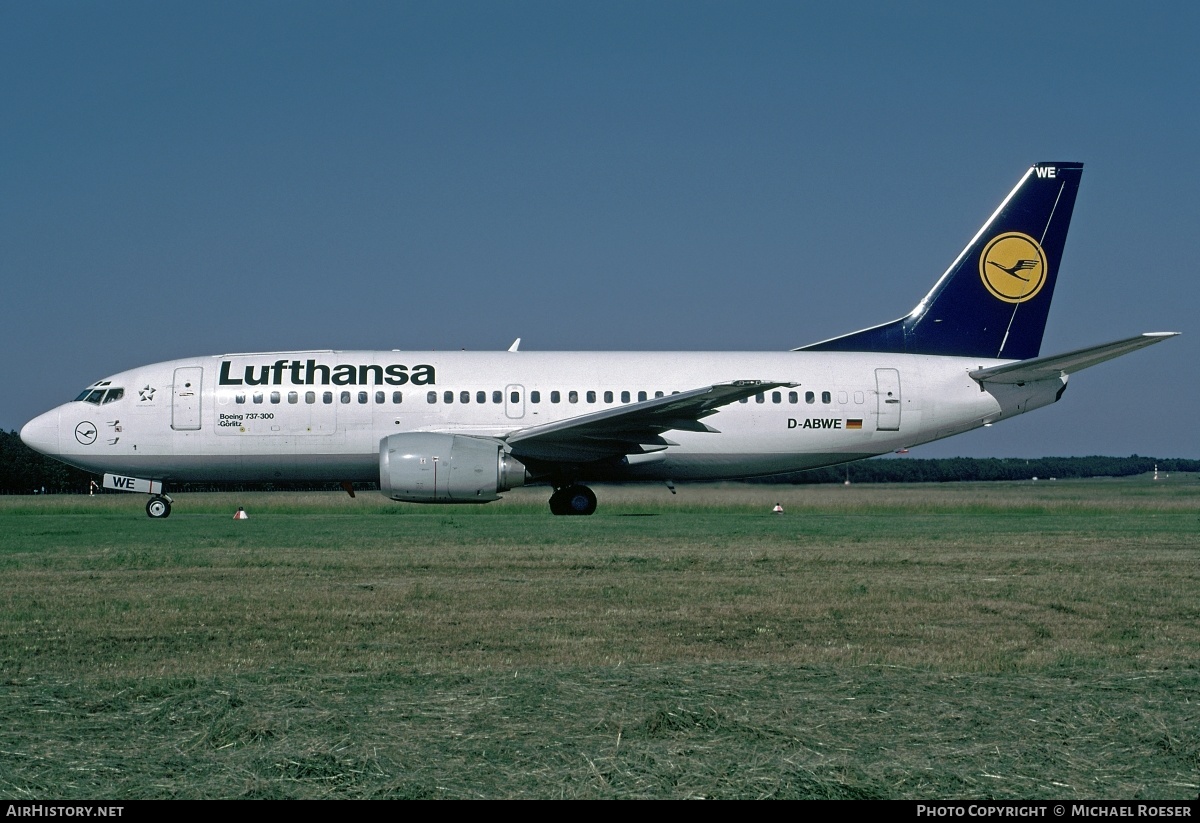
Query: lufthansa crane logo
1013	267
85	433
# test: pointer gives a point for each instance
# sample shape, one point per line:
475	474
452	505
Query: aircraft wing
1060	365
630	429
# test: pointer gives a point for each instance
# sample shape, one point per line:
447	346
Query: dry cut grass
999	640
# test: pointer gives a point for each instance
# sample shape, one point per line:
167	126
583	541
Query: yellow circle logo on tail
1013	267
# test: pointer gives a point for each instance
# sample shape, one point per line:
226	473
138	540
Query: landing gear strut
159	507
574	499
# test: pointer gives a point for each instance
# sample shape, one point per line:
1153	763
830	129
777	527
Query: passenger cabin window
659	394
397	397
480	397
310	397
608	397
514	397
641	396
239	398
431	397
380	397
826	397
257	397
497	396
776	397
362	397
534	397
760	398
810	397
793	397
327	398
345	397
448	397
572	396
555	396
624	397
275	397
293	397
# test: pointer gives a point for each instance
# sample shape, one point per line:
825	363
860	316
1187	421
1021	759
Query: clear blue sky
180	179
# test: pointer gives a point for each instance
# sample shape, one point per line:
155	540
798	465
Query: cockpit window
99	396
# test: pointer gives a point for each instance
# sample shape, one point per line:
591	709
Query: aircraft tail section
994	299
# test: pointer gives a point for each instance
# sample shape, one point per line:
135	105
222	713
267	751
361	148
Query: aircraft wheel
580	500
573	500
158	508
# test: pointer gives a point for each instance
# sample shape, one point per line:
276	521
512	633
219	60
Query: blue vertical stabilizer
994	299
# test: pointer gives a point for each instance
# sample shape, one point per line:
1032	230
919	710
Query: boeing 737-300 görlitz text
463	427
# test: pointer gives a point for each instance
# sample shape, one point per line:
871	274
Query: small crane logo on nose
85	433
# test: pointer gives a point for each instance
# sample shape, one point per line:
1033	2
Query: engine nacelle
427	467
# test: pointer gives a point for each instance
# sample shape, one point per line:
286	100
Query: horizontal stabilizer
1060	365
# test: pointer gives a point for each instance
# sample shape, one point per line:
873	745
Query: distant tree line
24	471
953	469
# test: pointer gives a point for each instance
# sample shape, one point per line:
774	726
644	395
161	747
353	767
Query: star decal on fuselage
146	393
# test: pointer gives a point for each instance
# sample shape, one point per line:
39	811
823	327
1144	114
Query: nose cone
41	433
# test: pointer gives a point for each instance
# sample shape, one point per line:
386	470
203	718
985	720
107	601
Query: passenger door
887	384
185	398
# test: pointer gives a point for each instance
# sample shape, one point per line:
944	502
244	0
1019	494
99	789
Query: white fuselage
322	415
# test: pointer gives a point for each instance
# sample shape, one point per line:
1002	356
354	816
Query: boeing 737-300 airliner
462	427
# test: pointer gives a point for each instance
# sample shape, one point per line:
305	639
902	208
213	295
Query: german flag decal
854	424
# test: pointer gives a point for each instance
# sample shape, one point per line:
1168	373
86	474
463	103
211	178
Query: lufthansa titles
312	373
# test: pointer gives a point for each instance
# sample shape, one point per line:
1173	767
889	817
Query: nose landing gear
158	507
573	499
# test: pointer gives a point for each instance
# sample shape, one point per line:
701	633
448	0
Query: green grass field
1031	640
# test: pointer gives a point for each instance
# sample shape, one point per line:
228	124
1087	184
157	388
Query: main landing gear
573	499
159	507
